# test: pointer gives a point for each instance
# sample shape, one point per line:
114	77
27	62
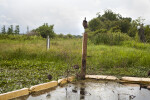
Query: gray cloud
66	15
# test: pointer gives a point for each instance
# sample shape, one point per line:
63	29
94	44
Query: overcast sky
66	15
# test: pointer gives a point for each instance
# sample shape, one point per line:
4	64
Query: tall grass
110	59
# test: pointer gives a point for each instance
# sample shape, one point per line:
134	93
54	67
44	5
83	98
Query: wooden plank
43	86
14	94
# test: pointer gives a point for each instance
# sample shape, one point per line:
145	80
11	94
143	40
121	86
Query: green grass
24	61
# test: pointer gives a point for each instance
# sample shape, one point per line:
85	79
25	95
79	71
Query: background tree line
45	30
114	26
10	30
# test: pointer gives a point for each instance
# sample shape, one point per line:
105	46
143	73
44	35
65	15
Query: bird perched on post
85	23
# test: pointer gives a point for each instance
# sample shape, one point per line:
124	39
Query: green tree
94	24
109	15
147	33
46	30
111	22
133	29
10	30
17	30
125	24
60	35
3	30
69	36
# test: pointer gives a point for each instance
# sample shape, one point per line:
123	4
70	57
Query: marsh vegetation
24	60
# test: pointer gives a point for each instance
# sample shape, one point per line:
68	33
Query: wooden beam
84	54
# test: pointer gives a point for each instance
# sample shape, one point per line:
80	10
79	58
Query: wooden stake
84	54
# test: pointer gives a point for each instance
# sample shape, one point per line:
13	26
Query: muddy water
94	90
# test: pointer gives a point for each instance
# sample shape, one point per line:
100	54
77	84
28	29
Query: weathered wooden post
84	50
48	43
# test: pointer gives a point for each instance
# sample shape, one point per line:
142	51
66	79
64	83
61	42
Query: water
93	90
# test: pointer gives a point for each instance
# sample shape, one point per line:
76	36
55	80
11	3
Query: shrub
33	33
103	37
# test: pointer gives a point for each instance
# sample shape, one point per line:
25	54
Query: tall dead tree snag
141	33
84	50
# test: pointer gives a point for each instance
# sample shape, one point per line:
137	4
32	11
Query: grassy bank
24	61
